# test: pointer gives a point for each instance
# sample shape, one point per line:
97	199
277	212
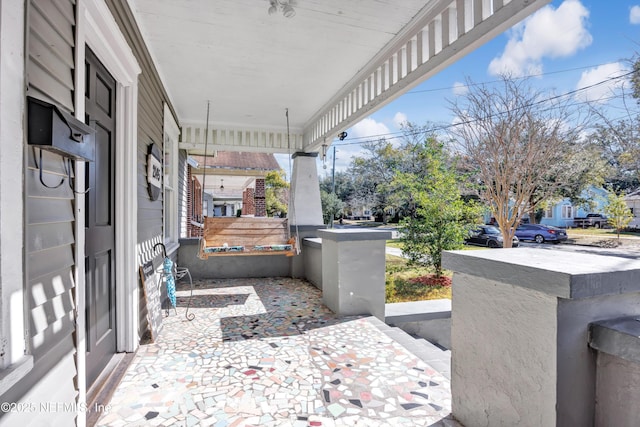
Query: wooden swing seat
246	236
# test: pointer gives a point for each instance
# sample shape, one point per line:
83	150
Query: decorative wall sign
154	171
150	285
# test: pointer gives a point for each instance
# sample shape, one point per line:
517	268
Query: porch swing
224	236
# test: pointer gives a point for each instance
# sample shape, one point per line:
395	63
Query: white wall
618	392
489	385
12	98
353	268
520	332
576	363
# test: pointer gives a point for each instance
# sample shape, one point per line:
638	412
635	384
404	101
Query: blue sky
568	44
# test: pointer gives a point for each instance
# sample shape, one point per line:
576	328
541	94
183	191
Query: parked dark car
488	235
541	233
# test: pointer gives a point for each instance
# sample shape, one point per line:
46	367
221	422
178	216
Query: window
548	212
170	199
567	212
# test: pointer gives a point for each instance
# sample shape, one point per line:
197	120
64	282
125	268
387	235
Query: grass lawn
403	283
603	232
394	244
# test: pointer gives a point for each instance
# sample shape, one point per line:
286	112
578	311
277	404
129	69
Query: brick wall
248	202
194	205
259	198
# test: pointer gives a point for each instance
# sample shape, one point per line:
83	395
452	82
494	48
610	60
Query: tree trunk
532	216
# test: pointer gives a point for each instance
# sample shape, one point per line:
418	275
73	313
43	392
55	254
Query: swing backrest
246	236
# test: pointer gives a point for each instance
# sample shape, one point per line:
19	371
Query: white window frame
548	212
170	197
97	29
567	211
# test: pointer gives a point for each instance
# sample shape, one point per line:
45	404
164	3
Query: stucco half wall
229	266
520	328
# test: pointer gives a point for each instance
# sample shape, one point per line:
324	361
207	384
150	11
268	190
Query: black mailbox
52	129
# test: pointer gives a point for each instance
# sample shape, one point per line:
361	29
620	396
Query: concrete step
433	355
417	311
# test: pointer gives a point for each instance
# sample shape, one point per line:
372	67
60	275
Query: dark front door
100	97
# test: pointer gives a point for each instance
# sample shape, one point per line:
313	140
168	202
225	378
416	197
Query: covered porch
287	77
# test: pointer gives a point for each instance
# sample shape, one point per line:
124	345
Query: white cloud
400	119
550	32
460	89
369	128
344	156
602	73
634	15
365	129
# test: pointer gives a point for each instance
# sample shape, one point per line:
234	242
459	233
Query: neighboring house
633	201
562	214
360	213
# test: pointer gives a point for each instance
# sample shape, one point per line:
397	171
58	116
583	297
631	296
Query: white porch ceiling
331	64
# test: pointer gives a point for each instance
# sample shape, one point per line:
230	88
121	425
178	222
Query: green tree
344	187
276	189
374	173
372	176
618	213
618	142
440	218
331	205
635	79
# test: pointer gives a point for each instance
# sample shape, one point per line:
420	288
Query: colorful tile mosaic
267	352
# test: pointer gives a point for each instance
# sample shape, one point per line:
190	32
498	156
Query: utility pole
333	172
333	182
341	137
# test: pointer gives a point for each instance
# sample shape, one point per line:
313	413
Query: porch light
324	155
284	5
222	185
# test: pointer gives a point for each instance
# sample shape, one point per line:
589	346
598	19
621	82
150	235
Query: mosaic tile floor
267	352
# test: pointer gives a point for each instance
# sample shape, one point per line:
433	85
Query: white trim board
13	364
97	29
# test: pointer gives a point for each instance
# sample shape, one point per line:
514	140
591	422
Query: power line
399	134
567	70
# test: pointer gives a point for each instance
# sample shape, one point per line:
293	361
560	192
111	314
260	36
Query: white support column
304	205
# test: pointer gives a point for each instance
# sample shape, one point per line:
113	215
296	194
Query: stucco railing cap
558	273
349	234
618	337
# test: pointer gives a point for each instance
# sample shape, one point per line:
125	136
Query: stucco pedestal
353	267
520	320
618	373
305	207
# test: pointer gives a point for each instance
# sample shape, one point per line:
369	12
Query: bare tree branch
515	144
